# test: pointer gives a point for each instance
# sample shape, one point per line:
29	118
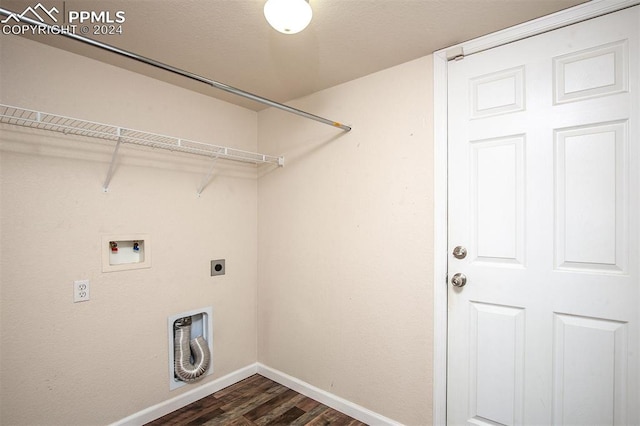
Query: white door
544	159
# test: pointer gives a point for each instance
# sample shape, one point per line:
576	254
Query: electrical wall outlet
217	267
80	291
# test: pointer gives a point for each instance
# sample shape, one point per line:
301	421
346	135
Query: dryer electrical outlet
217	267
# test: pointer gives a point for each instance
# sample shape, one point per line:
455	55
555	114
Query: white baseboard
326	398
170	405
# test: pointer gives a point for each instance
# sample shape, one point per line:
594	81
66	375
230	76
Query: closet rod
178	71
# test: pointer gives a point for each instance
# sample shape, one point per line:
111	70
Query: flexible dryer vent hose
184	369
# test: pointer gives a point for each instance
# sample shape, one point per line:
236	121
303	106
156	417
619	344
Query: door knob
459	280
459	252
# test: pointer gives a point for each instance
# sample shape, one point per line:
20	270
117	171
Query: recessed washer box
122	252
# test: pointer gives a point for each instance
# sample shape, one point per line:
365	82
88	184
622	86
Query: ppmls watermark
54	21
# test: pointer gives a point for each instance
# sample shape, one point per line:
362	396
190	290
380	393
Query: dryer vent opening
190	340
191	356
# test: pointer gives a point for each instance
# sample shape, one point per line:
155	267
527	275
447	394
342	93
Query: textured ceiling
230	41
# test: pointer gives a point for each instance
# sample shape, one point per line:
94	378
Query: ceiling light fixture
288	16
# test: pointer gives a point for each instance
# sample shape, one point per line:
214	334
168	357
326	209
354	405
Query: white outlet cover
81	291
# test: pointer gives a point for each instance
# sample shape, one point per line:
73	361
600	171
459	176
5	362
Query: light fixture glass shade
288	16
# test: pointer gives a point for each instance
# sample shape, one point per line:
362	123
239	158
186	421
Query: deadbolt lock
459	252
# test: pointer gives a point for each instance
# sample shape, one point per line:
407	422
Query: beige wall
99	361
345	242
338	243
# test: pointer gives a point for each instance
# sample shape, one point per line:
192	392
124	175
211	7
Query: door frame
560	19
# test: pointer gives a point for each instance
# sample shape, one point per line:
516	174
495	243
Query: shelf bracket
114	157
207	177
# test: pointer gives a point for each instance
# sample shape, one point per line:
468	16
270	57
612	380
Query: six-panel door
543	193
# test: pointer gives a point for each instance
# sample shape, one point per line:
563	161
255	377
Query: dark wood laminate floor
256	401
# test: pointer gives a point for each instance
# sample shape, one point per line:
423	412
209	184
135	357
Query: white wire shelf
74	126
